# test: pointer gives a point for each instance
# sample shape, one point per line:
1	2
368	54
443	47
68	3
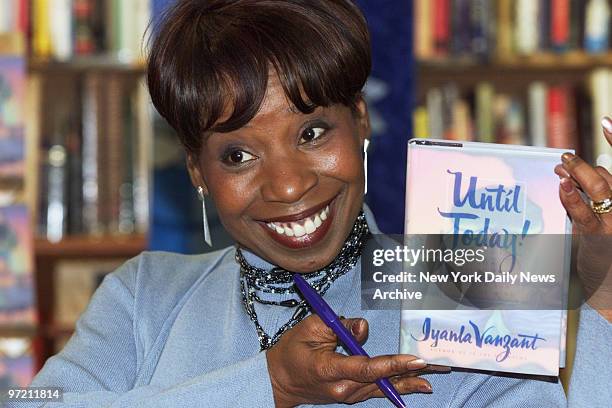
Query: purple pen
322	309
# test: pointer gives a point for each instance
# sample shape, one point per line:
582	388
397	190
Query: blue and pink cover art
493	195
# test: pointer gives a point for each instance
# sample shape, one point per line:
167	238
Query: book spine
504	29
142	15
420	122
114	154
538	96
84	42
56	204
6	14
450	97
597	26
560	24
434	111
41	43
482	25
142	171
526	28
484	113
462	123
23	16
601	88
61	28
423	40
501	107
558	121
460	33
128	162
441	26
90	131
544	24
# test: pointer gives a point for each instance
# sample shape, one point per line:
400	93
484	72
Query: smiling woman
265	96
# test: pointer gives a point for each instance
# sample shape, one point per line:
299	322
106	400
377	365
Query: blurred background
90	175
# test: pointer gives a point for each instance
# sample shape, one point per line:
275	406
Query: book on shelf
64	29
95	162
75	282
17	299
13	26
16	362
600	86
487	29
560	115
12	143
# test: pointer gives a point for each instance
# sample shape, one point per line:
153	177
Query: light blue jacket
169	330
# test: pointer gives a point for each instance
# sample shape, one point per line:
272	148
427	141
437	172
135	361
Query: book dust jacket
502	195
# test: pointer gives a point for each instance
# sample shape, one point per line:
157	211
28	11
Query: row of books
502	28
62	29
543	114
94	162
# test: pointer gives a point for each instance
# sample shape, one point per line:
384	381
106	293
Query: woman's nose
288	180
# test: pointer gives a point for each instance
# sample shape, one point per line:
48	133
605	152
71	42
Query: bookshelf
88	127
516	71
528	72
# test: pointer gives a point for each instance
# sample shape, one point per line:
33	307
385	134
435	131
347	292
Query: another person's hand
593	231
305	368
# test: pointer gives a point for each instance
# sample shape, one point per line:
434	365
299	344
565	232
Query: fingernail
563	172
567	185
418	363
567	157
607	124
355	327
425	388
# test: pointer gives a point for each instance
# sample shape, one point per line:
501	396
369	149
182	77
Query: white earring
366	142
207	238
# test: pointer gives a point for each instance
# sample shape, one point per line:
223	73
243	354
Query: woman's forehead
275	105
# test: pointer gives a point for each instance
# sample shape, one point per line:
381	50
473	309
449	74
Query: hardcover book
499	193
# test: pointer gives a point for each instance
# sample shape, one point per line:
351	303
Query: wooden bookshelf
544	61
102	62
91	247
46	257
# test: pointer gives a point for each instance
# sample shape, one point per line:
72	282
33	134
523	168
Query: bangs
208	60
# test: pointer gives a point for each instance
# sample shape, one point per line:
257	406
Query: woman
266	99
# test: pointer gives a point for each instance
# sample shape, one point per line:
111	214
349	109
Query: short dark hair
208	56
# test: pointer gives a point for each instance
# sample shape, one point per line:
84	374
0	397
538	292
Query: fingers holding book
305	368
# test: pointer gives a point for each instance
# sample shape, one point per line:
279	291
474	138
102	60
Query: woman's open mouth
304	229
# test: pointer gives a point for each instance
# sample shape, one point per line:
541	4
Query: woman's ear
363	119
194	173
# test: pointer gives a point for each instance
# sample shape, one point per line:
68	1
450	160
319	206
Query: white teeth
298	230
309	226
324	213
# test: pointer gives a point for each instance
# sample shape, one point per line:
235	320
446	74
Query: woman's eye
311	134
238	157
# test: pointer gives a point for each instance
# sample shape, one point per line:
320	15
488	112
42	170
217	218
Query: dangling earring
366	142
207	238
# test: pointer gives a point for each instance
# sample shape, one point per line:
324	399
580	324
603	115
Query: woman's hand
304	367
592	231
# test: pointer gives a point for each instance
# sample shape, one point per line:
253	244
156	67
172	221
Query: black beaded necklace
279	280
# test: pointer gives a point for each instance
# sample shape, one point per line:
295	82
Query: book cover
12	89
452	199
17	298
